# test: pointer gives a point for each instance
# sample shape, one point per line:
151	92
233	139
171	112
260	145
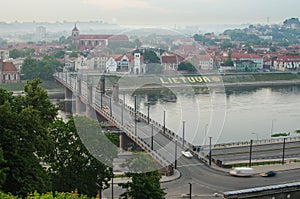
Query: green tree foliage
49	195
74	162
42	69
59	54
3	169
24	138
145	179
150	57
15	53
186	66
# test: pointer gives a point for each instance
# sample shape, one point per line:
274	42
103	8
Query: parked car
268	174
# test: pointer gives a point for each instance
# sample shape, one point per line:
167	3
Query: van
242	171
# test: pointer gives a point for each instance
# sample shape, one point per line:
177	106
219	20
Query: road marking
191	165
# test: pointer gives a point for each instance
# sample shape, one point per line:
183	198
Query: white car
187	154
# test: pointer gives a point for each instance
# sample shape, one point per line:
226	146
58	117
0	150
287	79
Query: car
242	171
187	154
268	174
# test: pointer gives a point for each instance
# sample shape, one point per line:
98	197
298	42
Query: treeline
43	69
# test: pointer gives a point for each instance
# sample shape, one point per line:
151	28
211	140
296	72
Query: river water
236	115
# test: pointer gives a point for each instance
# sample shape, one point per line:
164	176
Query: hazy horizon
152	12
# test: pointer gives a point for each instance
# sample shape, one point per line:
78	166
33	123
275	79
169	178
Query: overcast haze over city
155	12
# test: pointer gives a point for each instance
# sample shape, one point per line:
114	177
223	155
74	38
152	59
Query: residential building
248	57
4	54
8	72
170	62
287	62
90	41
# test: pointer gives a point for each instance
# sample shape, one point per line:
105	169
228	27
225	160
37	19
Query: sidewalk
264	168
175	176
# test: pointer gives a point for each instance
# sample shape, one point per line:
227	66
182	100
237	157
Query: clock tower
75	37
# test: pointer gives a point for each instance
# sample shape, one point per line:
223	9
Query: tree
150	57
76	162
24	138
145	179
42	69
3	169
186	66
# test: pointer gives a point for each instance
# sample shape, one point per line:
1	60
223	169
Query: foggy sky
151	11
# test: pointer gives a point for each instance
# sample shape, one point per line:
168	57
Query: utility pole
175	162
210	151
250	155
190	194
152	136
110	106
135	122
164	122
101	99
148	112
283	150
183	126
112	186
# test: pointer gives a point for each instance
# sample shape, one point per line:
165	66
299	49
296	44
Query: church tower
75	37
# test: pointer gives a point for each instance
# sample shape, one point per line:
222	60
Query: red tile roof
244	56
9	67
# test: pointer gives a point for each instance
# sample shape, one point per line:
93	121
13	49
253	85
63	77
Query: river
236	115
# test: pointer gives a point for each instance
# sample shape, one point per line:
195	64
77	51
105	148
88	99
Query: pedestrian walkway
175	176
264	168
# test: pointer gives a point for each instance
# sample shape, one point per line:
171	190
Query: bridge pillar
116	92
121	141
77	96
68	93
102	84
88	106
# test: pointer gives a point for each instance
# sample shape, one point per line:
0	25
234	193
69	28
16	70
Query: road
259	152
207	181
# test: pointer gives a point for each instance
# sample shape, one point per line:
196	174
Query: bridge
153	137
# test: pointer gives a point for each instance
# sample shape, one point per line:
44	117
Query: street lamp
183	129
250	154
272	126
210	151
190	194
148	103
135	122
164	122
175	162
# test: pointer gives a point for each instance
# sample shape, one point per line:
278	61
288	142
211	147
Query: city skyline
154	12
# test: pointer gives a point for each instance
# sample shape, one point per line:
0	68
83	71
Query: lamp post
101	99
175	162
164	122
148	103
190	194
210	151
112	186
250	154
272	126
283	150
135	122
152	136
110	106
205	133
183	129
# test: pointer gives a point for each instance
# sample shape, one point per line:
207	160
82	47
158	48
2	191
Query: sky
130	12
